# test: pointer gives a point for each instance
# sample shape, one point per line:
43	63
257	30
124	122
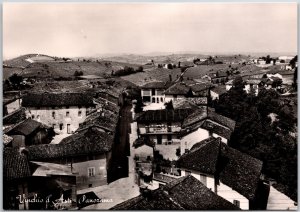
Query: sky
78	29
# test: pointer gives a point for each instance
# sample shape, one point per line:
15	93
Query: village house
217	91
217	77
249	85
227	172
161	126
14	117
23	179
153	92
87	153
185	193
202	124
12	104
29	132
61	111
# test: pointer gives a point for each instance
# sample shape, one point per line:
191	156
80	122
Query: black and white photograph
150	106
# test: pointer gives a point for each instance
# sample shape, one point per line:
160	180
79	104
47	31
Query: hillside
44	67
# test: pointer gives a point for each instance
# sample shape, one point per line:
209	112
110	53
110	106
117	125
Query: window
53	115
32	116
157	100
61	127
68	128
153	100
161	99
169	136
236	202
38	116
153	92
79	113
67	114
91	171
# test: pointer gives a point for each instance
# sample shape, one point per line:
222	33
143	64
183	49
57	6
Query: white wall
44	115
13	106
231	195
189	140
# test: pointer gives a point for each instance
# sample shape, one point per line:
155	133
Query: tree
139	105
16	80
140	69
169	105
78	73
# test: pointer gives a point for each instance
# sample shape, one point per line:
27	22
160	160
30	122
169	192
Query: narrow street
123	186
120	151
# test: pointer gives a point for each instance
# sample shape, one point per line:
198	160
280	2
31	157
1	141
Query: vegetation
265	129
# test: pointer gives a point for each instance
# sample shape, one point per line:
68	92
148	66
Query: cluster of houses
187	143
42	174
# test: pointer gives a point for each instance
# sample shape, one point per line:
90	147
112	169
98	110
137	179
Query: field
156	74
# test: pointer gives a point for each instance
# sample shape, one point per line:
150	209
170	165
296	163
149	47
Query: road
121	149
122	187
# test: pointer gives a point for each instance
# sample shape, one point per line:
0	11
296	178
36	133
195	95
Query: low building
217	91
14	117
204	124
36	186
217	77
153	92
30	132
186	193
161	126
62	111
11	105
87	153
229	173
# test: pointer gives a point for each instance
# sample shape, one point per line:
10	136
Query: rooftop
15	117
25	128
87	142
186	193
47	99
237	170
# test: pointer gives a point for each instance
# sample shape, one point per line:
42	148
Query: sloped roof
191	194
15	164
221	119
15	117
178	89
103	119
87	142
217	129
156	84
25	128
150	116
219	89
240	171
159	200
185	193
237	170
202	157
196	116
57	99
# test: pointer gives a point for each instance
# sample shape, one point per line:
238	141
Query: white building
229	173
62	111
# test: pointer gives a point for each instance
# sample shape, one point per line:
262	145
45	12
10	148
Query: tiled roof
57	99
191	194
219	89
15	117
151	116
25	128
157	200
186	193
196	116
15	164
163	178
221	119
156	84
217	129
88	142
178	89
237	170
202	157
103	119
240	171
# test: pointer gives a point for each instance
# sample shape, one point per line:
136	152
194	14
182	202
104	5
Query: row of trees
126	71
264	124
